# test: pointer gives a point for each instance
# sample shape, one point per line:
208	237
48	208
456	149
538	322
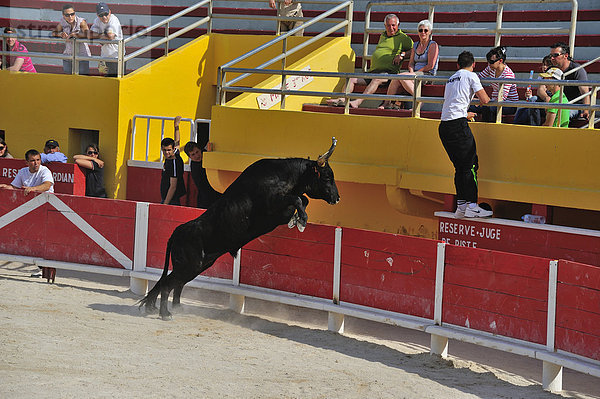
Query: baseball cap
51	144
102	8
554	73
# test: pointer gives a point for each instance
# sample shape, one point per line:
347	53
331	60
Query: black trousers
459	144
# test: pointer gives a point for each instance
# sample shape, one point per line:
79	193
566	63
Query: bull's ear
323	158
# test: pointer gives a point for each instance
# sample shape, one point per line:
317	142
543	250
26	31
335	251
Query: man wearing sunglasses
561	58
108	27
73	26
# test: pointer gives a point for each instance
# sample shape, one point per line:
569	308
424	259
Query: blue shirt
54	157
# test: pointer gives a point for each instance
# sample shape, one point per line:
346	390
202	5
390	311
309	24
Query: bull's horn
323	158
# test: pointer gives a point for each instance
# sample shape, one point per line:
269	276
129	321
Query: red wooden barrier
388	271
68	177
497	292
578	309
143	184
162	220
290	261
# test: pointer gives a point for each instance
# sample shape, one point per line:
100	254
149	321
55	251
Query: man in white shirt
107	26
457	137
34	178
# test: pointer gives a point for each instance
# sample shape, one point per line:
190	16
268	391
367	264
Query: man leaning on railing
107	26
73	26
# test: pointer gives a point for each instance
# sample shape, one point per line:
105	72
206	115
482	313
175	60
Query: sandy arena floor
83	337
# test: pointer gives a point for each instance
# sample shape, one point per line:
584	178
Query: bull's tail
153	293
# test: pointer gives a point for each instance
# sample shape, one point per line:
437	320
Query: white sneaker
460	211
477	212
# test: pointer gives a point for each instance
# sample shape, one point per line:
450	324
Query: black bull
268	193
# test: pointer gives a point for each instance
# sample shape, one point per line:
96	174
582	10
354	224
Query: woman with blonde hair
424	60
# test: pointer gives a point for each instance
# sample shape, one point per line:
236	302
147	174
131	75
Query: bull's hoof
301	227
150	309
293	221
167	316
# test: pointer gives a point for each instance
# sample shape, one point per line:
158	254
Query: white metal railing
498	29
223	84
162	119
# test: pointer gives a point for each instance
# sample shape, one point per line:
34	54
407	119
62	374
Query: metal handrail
222	84
416	98
163	119
498	30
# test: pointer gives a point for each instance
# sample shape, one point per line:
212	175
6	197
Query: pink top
27	64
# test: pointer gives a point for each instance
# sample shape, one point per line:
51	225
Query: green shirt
564	113
388	48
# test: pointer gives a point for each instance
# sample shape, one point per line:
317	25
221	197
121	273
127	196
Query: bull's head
323	186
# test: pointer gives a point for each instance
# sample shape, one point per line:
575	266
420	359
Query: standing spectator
206	194
424	60
288	8
457	138
4	149
560	53
551	115
93	167
34	178
19	62
497	68
393	47
107	26
73	26
52	153
172	186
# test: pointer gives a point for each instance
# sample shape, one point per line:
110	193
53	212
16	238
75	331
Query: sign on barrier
68	177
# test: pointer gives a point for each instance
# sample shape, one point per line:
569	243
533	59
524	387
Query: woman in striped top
497	68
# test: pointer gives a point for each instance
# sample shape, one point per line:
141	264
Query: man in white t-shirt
457	137
34	178
107	26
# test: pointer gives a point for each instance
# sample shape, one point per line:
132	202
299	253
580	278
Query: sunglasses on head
68	14
92	152
492	62
102	15
423	30
554	55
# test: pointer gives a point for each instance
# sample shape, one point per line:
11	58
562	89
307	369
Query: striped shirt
510	90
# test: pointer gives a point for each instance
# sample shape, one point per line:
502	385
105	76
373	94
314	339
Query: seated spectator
19	62
424	60
497	68
93	167
561	59
393	47
206	194
288	8
73	26
534	116
34	178
108	27
4	149
52	153
553	117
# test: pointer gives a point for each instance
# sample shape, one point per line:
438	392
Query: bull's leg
165	289
299	216
177	295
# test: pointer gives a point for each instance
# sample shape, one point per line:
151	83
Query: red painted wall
143	184
497	292
578	309
388	271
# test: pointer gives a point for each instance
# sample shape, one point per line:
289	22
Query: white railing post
137	285
552	373
335	321
439	344
237	302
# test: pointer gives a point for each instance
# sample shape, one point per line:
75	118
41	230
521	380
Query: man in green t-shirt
552	115
394	47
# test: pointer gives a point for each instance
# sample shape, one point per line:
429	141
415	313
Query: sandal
339	102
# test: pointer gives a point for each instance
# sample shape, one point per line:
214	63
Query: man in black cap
107	26
52	153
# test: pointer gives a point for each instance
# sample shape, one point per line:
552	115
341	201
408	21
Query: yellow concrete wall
326	55
536	165
38	107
